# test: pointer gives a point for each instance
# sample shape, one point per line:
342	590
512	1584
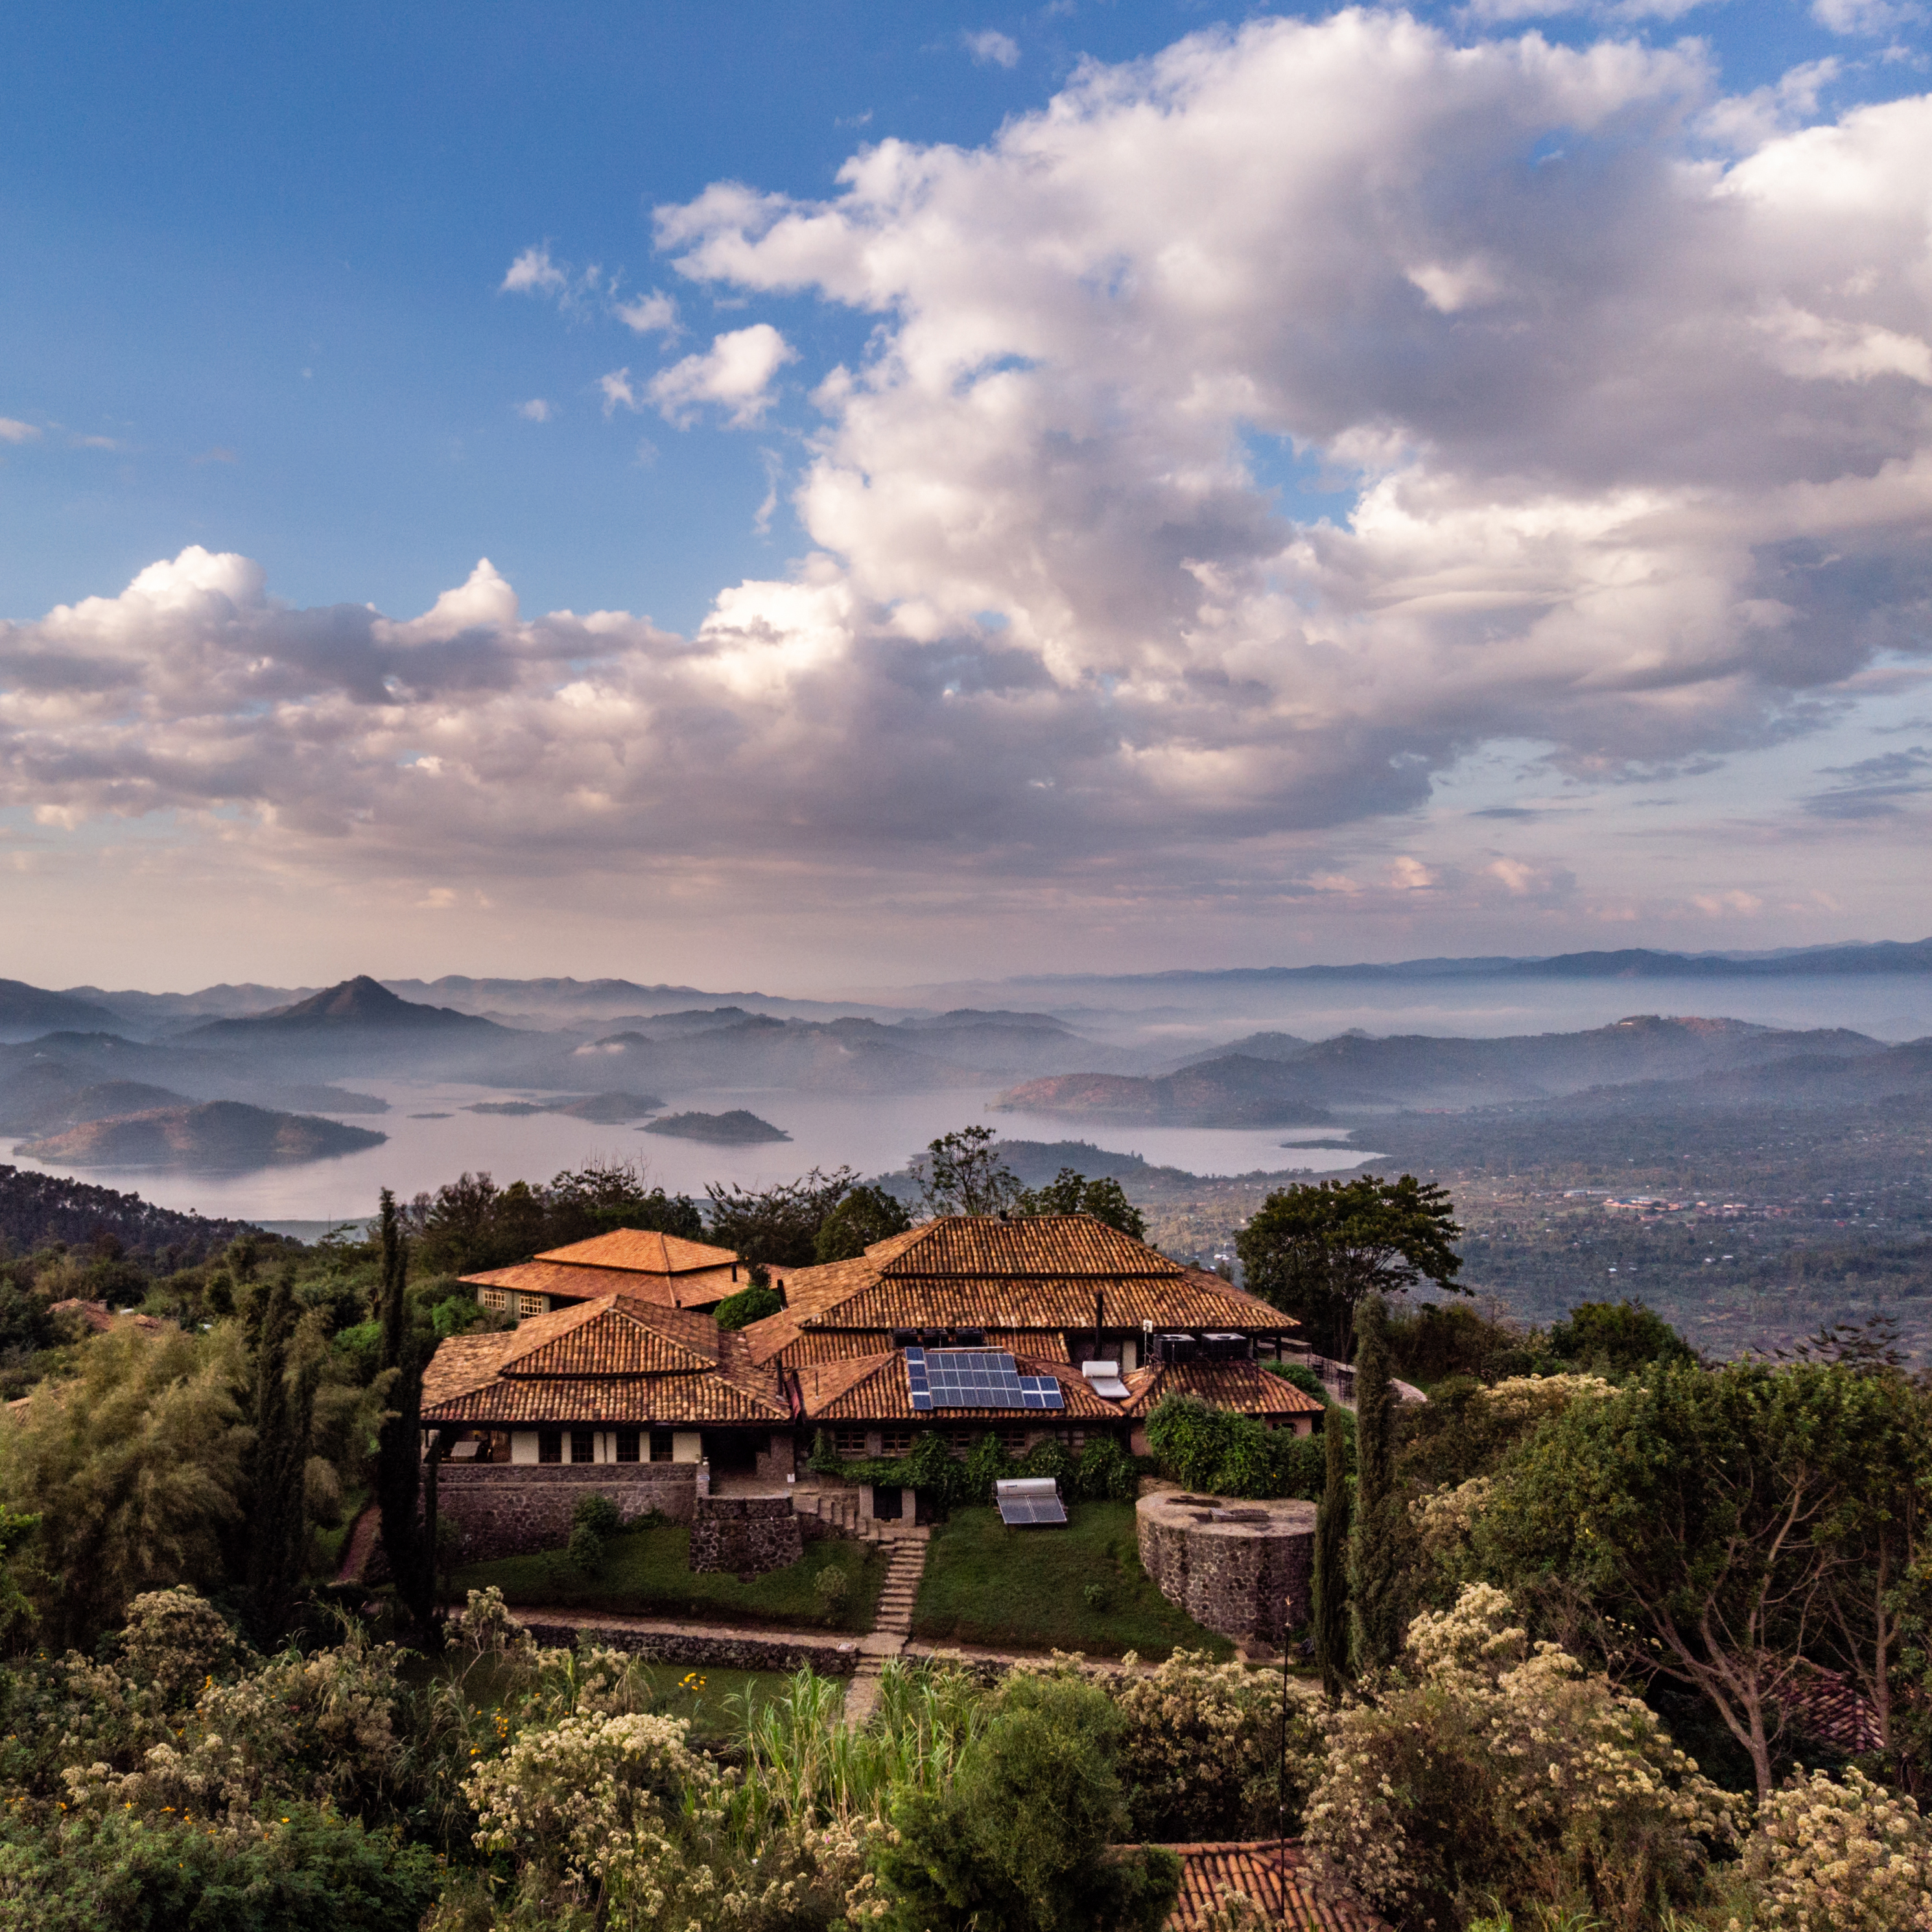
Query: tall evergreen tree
278	1519
1331	1561
1380	1566
398	1451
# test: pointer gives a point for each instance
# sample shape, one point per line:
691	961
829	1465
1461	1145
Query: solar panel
1029	1499
1020	1513
975	1378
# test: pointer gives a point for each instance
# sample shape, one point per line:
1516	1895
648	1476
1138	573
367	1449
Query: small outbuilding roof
1275	1875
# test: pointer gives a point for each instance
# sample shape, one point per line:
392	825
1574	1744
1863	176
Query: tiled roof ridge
693	1335
1107	1244
661	1253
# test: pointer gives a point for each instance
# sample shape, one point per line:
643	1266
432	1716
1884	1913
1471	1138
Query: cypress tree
1381	1552
1331	1561
398	1450
283	1410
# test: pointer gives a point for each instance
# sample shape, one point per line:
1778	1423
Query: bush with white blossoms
1831	1857
1489	1769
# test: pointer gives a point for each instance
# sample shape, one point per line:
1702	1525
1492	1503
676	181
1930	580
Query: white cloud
1863	16
536	410
617	391
1644	479
534	273
736	371
653	314
11	431
991	48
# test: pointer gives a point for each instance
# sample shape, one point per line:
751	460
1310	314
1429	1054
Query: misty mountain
25	1011
47	1099
1293	1085
360	1005
837	1056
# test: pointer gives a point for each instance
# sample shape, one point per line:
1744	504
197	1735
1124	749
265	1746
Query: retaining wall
746	1534
834	1657
1244	1569
511	1509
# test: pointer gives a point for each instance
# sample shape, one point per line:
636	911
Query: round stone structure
1244	1569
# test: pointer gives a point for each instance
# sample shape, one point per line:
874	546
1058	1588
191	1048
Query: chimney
734	1270
1099	1315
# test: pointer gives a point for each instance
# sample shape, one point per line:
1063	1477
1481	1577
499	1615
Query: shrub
1220	1453
1487	1769
987	1462
749	1305
1107	1474
1023	1836
1201	1752
1850	1856
596	1512
829	1589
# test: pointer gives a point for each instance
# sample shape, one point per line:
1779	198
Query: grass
647	1573
1027	1588
714	1701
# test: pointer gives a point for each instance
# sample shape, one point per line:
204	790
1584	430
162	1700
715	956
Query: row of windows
582	1444
507	1301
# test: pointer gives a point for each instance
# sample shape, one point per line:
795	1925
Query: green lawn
647	1573
986	1583
714	1700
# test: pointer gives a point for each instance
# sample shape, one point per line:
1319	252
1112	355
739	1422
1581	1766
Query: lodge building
1055	1326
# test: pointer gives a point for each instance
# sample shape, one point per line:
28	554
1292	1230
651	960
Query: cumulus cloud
653	314
991	48
536	410
736	371
1639	441
534	273
12	431
1863	16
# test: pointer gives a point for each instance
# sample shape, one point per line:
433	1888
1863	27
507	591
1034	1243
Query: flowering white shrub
1493	1767
1201	1753
488	1625
1849	1857
1520	1399
176	1639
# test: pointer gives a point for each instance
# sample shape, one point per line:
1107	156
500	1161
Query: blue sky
256	302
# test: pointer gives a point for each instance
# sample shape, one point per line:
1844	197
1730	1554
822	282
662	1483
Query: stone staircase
891	1626
838	1507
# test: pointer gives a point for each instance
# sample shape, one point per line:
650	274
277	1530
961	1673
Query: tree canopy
1316	1251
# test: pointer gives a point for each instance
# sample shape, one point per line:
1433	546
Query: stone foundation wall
510	1509
746	1534
834	1657
1244	1569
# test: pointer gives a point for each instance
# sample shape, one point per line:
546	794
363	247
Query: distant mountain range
1275	1080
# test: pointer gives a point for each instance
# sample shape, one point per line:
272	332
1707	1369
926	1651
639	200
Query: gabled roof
1245	1386
778	1339
640	1251
874	1388
616	1360
1058	1247
584	1284
1043	1274
1275	1875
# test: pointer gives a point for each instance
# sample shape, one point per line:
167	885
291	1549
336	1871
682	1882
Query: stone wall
1245	1569
746	1534
510	1509
833	1658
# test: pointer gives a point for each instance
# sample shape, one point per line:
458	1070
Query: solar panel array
1020	1510
976	1378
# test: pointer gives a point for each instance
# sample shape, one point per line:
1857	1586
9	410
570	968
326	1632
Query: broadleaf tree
1317	1252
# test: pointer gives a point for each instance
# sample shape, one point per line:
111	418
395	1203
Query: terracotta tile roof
641	1251
700	1288
785	1341
873	1388
1245	1386
615	1359
1038	1275
1061	1246
1209	1872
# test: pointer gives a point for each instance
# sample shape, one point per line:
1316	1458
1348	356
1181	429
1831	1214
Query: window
498	1298
896	1442
550	1445
531	1304
849	1441
1013	1441
960	1442
583	1445
627	1445
661	1445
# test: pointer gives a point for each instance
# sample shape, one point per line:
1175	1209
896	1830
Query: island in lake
736	1129
603	1108
219	1136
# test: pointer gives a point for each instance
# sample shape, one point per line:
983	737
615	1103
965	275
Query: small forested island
738	1128
218	1136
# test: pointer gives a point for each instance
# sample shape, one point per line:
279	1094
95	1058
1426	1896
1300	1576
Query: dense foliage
1317	1251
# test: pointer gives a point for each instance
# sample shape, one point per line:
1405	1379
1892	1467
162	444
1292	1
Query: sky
854	494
